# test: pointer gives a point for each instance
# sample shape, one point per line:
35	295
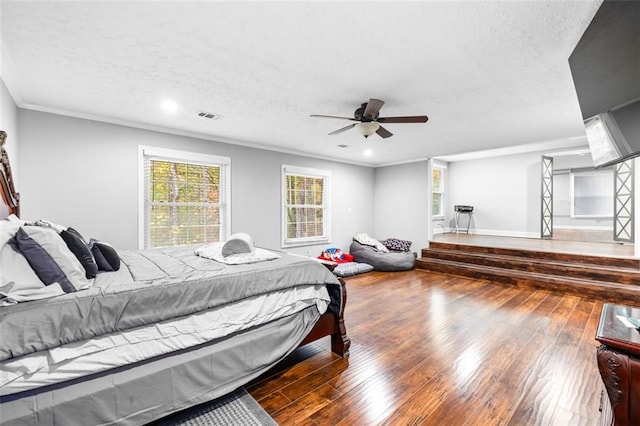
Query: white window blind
185	198
305	210
592	194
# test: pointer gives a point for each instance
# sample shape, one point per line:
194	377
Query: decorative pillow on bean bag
351	268
105	255
366	240
397	245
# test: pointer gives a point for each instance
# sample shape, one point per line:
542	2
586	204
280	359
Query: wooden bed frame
332	325
10	197
329	323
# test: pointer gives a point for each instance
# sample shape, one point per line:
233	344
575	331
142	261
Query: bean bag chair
382	261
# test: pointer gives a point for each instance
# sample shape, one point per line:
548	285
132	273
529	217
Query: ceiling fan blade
333	116
373	107
384	133
344	129
409	119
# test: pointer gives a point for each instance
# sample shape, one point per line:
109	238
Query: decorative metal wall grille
546	229
623	222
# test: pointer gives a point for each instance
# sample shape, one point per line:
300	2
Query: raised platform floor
557	246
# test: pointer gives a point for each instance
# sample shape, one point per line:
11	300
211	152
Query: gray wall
9	123
84	174
401	197
505	192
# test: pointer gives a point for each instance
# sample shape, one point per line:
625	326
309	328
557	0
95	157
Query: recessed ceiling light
169	106
368	153
343	146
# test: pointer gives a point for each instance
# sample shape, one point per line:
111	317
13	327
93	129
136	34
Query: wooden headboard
10	198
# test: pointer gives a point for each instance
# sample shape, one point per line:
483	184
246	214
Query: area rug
235	409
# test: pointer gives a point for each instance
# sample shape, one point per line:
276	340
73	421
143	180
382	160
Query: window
592	194
184	198
437	176
305	211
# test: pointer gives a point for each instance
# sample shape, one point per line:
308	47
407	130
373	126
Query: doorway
591	205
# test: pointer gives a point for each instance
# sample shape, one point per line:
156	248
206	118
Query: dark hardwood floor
437	349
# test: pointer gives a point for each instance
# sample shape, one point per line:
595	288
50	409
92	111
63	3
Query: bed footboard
332	325
340	342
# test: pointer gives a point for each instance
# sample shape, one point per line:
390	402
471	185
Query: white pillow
18	282
8	228
50	258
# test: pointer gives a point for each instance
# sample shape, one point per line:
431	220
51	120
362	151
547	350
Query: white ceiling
488	74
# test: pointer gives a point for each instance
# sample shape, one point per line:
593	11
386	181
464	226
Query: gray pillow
351	268
50	258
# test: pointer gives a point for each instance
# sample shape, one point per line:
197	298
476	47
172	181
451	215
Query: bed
166	331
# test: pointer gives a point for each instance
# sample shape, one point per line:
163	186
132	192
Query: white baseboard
493	232
584	228
443	230
503	233
517	234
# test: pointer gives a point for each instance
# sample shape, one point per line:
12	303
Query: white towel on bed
215	252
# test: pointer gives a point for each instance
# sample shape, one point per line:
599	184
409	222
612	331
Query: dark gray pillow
396	244
50	258
106	256
80	249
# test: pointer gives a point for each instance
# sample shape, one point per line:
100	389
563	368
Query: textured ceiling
488	74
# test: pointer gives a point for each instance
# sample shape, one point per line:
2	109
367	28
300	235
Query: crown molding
538	146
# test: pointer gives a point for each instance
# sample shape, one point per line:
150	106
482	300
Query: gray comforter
151	286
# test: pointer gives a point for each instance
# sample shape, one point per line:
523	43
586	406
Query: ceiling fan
368	120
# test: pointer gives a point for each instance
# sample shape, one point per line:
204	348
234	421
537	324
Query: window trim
443	177
307	172
183	156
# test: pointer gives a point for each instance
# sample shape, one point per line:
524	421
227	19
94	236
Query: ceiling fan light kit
367	129
367	116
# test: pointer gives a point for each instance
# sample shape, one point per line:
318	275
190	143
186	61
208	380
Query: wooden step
602	290
622	262
613	279
596	272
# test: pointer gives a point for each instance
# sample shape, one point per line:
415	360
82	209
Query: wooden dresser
619	364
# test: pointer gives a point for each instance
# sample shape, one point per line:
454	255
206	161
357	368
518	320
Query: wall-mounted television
605	66
614	136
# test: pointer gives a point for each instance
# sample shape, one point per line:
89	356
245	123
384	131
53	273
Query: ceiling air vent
208	115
